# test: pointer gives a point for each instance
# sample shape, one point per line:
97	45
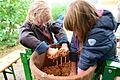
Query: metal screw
110	71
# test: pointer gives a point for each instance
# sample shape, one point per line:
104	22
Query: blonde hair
80	17
39	8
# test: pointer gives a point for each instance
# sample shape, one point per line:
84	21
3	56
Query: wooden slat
9	59
118	47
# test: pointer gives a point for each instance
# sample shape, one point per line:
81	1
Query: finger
66	49
61	51
56	55
50	57
53	56
65	53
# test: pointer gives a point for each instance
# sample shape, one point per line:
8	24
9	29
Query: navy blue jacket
32	36
100	43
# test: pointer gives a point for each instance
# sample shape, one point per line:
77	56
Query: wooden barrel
39	61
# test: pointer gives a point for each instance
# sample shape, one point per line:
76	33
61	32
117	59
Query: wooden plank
118	47
9	59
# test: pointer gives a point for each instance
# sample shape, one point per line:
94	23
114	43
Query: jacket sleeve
95	48
74	47
27	38
57	29
61	37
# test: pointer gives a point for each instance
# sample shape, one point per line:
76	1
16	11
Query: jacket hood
106	21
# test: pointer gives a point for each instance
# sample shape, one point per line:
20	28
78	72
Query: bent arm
27	38
98	47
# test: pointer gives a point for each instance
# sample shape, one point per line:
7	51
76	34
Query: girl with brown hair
94	29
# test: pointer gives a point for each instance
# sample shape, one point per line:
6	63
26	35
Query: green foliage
12	14
59	8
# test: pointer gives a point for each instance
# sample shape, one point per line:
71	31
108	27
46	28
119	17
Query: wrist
64	45
42	47
49	49
80	71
